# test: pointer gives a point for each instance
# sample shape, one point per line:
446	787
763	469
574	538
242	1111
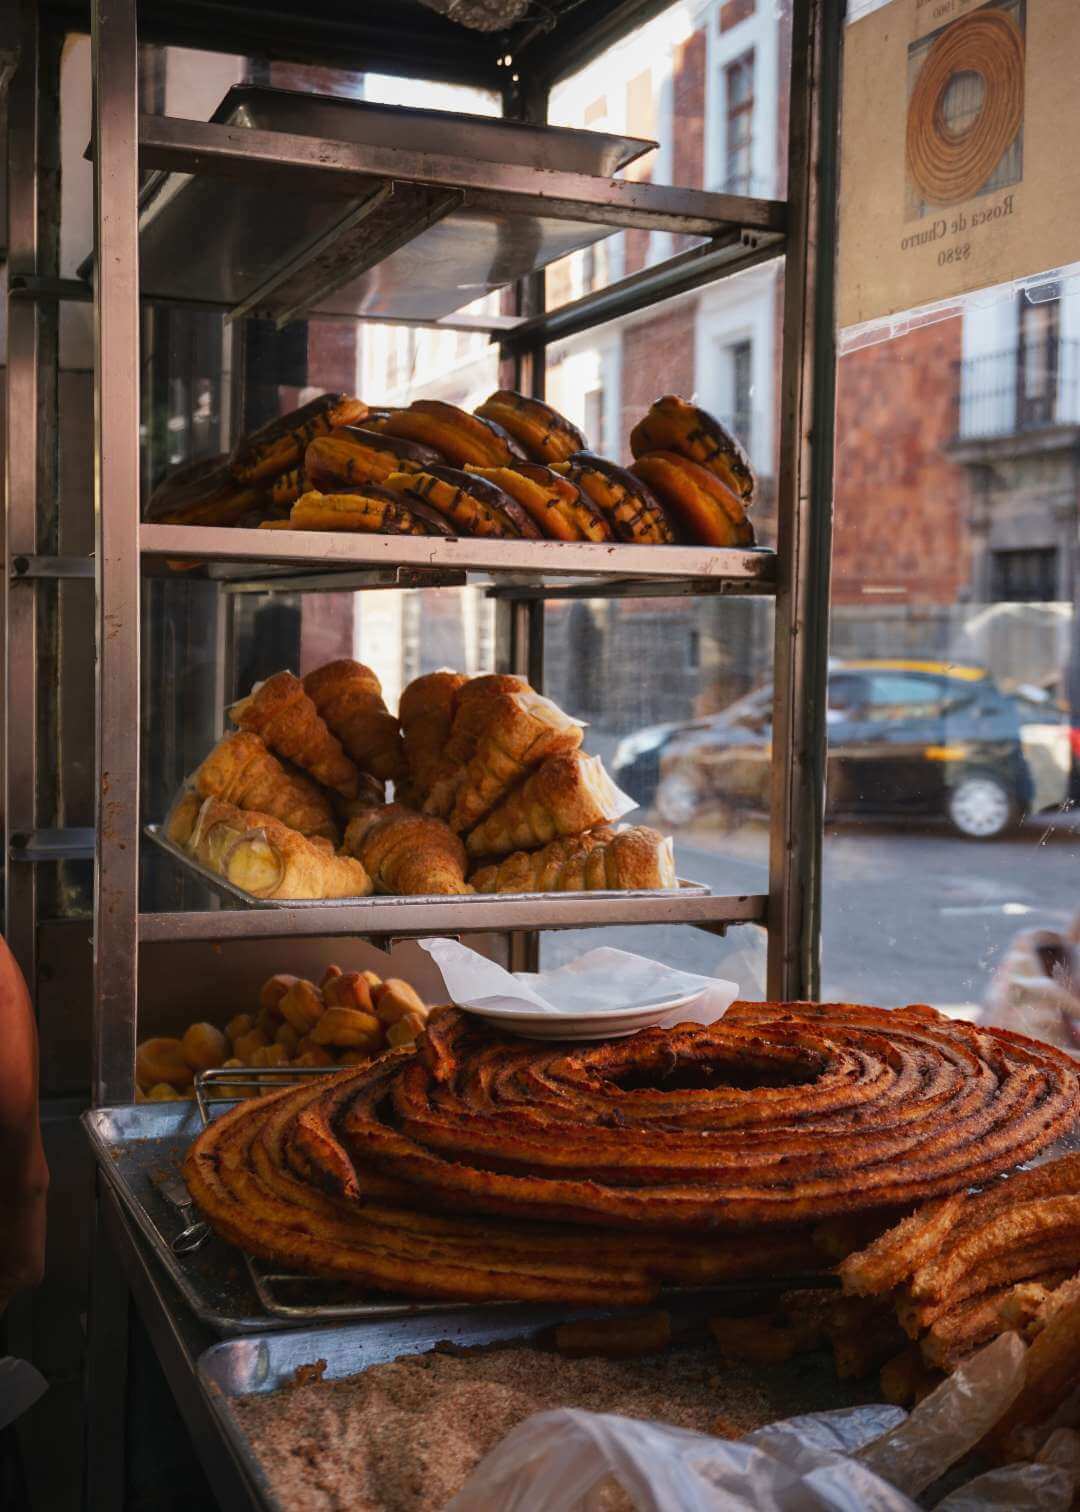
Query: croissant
472	708
601	860
264	857
349	698
242	771
404	852
284	716
563	796
522	729
426	713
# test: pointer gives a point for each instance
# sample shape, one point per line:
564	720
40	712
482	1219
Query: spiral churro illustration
948	165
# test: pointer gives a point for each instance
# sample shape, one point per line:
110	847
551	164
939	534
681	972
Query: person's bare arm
24	1176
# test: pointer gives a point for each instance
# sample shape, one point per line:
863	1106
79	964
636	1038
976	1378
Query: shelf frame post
804	533
116	487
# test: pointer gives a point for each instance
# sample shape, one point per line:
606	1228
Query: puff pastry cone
351	455
240	770
470	503
563	796
612	860
282	714
370	793
368	508
559	508
267	859
460	437
629	505
183	816
673	425
545	435
709	513
408	853
522	730
280	444
349	698
473	704
426	714
202	493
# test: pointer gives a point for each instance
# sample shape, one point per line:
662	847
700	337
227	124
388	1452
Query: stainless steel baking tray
238	895
399	249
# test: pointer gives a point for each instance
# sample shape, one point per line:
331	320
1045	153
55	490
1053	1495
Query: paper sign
959	160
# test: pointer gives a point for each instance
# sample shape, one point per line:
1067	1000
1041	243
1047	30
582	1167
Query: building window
739	124
1028	576
594	420
1037	361
741	358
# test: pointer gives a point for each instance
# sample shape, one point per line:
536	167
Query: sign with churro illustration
955	169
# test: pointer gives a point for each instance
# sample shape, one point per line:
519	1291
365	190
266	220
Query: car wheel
981	807
678	798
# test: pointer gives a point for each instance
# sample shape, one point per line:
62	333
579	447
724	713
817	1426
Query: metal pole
805	505
116	480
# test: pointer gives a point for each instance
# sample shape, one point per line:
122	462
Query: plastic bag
1036	989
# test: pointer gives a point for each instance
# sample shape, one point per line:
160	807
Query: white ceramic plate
612	1023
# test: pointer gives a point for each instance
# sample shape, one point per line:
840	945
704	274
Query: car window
898	695
847	693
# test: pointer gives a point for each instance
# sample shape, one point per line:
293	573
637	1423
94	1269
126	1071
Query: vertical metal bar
805	505
116	480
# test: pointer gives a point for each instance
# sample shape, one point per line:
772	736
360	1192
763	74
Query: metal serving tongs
196	1231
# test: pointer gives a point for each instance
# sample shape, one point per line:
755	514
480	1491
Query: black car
908	737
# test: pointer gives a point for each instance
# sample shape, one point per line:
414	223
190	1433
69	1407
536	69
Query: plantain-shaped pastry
563	796
522	729
264	857
349	698
470	503
598	861
406	852
286	489
459	436
202	493
707	510
282	714
472	709
626	502
351	456
280	444
545	435
674	425
240	770
426	713
558	507
370	509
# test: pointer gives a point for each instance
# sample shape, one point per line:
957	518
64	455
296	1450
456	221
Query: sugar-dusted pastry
349	698
351	455
472	504
563	796
242	771
560	510
674	425
472	708
279	445
282	714
368	508
626	502
603	860
405	852
426	713
460	437
545	435
708	512
267	859
521	730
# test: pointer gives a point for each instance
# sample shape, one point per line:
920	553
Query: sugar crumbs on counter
405	1436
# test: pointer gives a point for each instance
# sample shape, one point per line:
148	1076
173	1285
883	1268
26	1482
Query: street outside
910	914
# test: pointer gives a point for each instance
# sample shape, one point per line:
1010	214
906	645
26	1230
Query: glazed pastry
405	852
709	513
461	437
559	508
605	860
371	509
267	859
470	503
426	713
472	709
202	493
351	456
349	698
284	716
521	730
545	435
242	771
285	490
674	425
628	504
279	445
563	796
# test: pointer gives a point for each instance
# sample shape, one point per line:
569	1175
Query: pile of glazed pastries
515	469
492	793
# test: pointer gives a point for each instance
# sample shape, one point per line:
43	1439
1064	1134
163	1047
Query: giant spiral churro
947	165
624	1157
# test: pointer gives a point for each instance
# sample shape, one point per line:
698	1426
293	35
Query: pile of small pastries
345	1020
491	793
513	469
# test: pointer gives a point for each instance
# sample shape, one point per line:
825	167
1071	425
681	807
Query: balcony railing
1012	392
